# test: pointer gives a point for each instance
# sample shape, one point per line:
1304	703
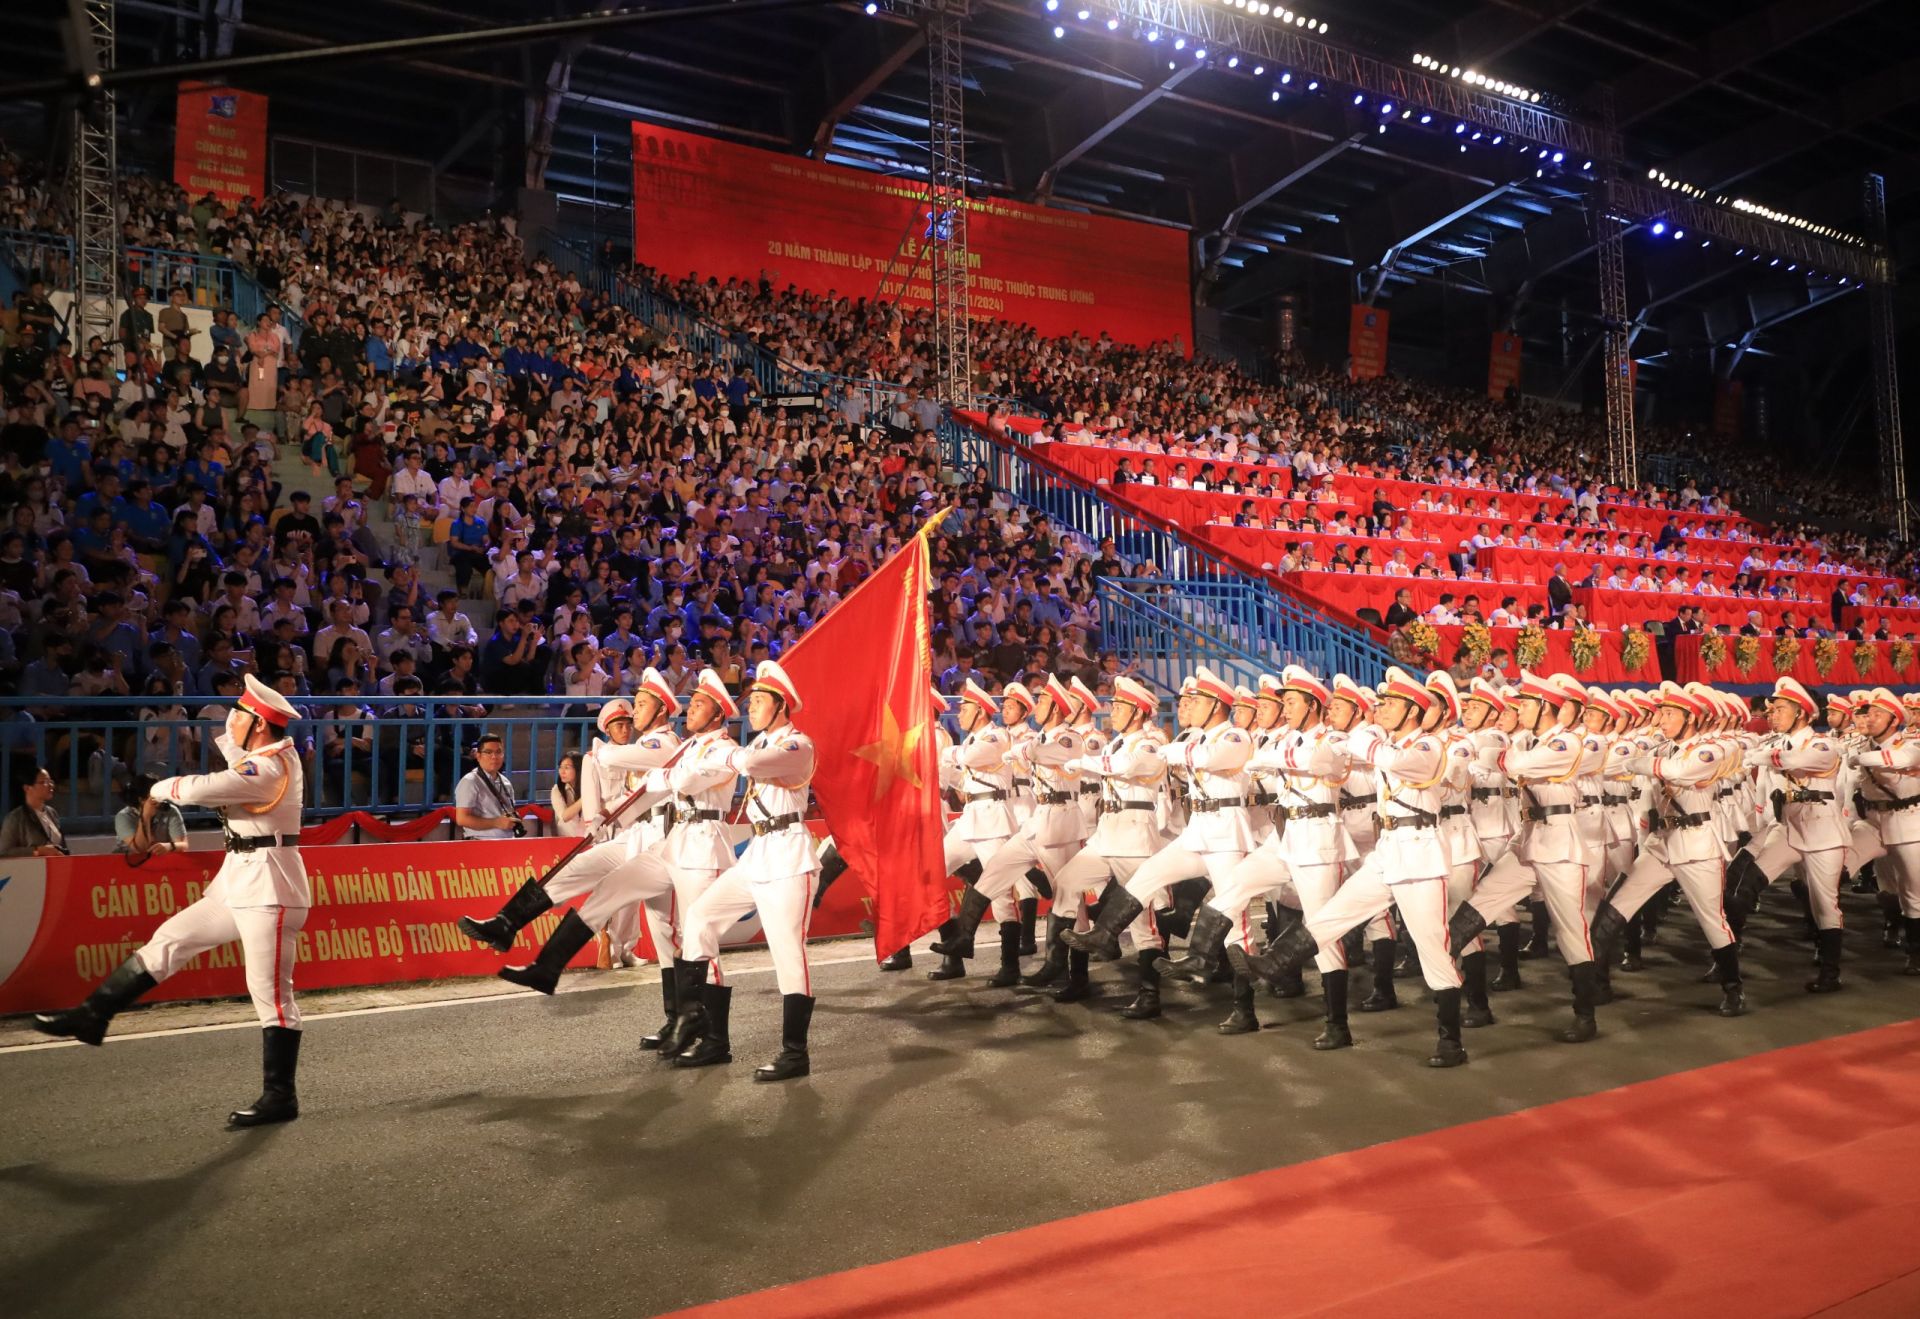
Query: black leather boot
1285	957
796	1014
1745	883
1477	1011
1117	911
690	1023
1630	948
1464	926
1029	915
1891	927
712	1046
951	966
1242	1020
1382	998
497	931
1912	967
1333	984
1009	973
1585	1025
652	1042
279	1060
1733	999
1827	950
1293	984
1507	939
1804	897
1055	964
1146	1003
974	906
1542	926
1353	943
543	972
1076	987
1607	932
832	866
900	961
88	1022
1206	945
1186	897
1448	1052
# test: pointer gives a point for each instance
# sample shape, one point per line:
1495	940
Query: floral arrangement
1635	648
1713	651
1476	643
1826	654
1424	640
1900	655
1531	646
1746	654
1585	645
1866	656
1786	653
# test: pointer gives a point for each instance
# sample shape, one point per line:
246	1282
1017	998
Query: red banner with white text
714	208
1367	343
220	142
380	916
1503	364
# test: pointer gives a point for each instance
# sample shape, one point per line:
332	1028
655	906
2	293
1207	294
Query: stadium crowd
613	498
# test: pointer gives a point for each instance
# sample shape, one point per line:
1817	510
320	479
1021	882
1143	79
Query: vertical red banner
220	142
1503	364
1729	402
1367	343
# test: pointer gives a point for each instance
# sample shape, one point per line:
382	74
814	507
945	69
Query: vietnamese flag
865	678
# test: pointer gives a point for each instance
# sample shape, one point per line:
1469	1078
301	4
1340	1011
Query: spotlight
1233	61
872	8
1498	138
1059	32
1052	5
1406	114
1659	227
1113	24
1200	54
1793	265
1276	96
1153	36
1083	15
1386	107
1587	166
1358	98
1426	118
1383	128
1179	43
1459	128
1559	156
1288	77
1259	69
1543	153
1312	86
1678	234
1477	135
1774	262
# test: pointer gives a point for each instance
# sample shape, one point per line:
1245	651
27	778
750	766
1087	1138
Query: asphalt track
519	1155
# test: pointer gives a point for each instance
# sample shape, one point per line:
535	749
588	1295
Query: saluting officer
260	897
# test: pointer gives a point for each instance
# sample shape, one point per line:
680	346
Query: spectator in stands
565	798
33	827
146	827
483	803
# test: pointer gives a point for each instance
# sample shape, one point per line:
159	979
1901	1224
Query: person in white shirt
340	629
455	487
447	626
405	634
413	480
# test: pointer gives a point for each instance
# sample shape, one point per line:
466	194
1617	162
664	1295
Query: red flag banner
1503	364
1367	343
865	677
220	142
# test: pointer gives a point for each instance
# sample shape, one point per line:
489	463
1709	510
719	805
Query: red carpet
1785	1184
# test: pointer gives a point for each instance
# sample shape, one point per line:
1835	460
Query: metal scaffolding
95	182
946	218
1616	322
1886	379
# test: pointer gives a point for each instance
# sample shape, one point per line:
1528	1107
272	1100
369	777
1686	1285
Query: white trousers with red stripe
1423	917
1080	882
268	939
663	913
1899	872
1704	882
960	850
1265	871
611	880
1562	883
785	906
1169	866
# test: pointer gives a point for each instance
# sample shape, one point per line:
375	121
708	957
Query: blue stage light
1386	107
1426	118
1659	227
1459	128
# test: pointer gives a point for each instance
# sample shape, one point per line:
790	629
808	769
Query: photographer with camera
483	800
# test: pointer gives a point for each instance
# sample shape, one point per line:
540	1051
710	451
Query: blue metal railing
1248	619
1149	623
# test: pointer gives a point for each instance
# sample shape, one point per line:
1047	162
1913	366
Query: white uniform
1409	864
1053	832
259	897
1688	845
1128	773
1550	853
696	848
983	775
1219	828
618	874
776	874
1888	776
1814	830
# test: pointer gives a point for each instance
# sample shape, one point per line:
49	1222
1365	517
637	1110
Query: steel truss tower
1886	380
95	182
946	218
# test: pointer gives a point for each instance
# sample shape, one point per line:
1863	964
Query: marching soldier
259	896
984	780
1887	770
775	877
608	876
1814	830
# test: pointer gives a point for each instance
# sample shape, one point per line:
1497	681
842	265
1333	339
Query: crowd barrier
380	916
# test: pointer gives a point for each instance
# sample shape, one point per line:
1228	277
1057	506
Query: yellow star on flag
893	754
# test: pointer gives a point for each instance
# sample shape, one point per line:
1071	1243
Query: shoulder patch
1558	744
1706	755
248	768
790	746
653	744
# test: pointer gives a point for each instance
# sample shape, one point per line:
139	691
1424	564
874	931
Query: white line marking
520	994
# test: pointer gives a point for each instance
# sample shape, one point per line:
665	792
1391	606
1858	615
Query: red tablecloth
1097	464
1611	608
1688	666
1266	547
1901	622
1512	563
1349	592
1610	669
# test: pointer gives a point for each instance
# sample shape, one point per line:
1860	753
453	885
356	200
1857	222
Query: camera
519	829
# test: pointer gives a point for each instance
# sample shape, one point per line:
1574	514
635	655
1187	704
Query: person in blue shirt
68	454
173	632
104	495
47	677
379	356
147	523
111	631
204	471
467	545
